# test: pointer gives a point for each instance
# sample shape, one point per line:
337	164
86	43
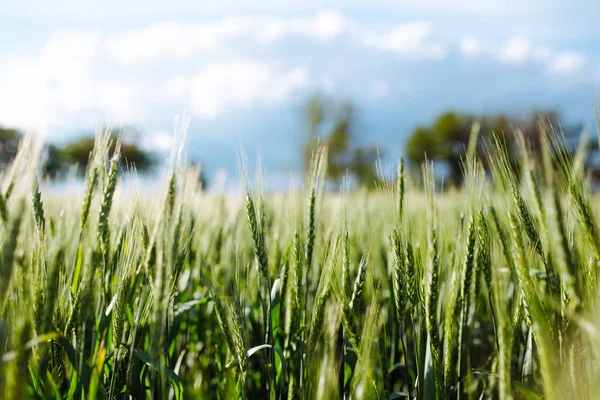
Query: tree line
443	141
333	125
60	157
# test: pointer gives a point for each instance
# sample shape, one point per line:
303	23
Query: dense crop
488	291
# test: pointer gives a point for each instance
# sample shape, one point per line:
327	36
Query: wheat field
487	291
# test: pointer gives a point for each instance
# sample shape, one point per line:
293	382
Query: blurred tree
362	165
54	163
331	125
447	138
74	152
9	143
78	150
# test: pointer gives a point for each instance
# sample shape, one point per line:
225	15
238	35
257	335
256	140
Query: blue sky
242	73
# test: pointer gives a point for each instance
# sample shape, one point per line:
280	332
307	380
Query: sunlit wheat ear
484	256
537	195
572	272
353	306
572	177
240	339
89	192
315	180
582	153
432	281
500	306
359	283
260	247
118	322
74	315
536	315
450	331
399	275
519	256
310	230
586	217
431	303
504	239
546	131
222	314
411	277
171	192
346	282
38	208
473	139
298	268
323	291
107	200
467	270
528	222
500	165
401	187
364	385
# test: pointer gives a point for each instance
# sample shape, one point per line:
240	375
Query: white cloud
61	87
411	39
23	97
567	62
176	86
180	40
520	50
68	55
172	39
241	84
73	77
470	46
37	92
159	141
272	30
517	50
327	24
120	101
157	8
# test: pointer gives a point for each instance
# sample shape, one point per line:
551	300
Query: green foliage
9	142
77	151
447	137
333	126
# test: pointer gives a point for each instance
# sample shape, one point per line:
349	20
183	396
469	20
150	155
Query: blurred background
369	79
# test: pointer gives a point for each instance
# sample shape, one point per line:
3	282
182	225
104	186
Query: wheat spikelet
87	202
431	303
107	200
310	230
399	274
260	249
38	208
